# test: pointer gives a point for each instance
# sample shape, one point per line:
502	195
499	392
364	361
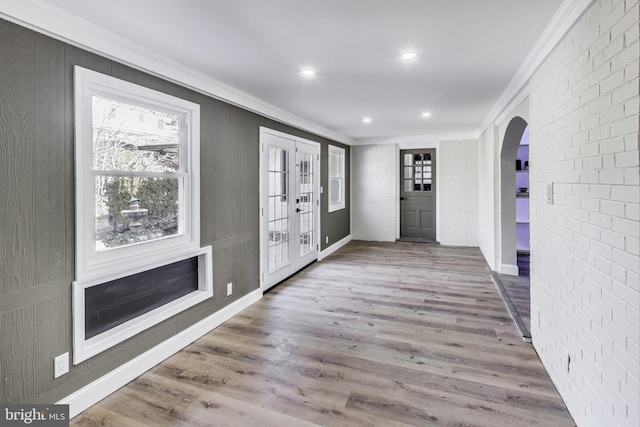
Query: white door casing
289	205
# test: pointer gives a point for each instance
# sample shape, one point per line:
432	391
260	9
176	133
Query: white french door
289	205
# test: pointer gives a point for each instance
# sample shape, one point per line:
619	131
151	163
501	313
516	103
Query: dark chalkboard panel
112	303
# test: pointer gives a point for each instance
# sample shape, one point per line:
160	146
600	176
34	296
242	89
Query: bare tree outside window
136	158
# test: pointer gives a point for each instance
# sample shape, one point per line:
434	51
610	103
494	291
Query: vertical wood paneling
37	202
17	353
17	253
53	333
51	210
98	63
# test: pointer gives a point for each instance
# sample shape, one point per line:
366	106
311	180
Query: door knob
403	198
298	210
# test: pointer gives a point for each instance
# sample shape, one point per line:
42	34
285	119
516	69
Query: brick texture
585	293
458	193
374	193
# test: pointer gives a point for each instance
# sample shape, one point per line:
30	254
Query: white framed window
137	196
137	183
336	178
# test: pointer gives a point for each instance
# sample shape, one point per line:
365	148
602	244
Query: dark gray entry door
418	194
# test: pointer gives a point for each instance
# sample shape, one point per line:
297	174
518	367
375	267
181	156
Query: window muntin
417	172
137	175
336	178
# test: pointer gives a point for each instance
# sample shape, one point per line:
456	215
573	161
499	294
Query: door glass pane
408	172
306	199
427	156
278	209
408	185
408	159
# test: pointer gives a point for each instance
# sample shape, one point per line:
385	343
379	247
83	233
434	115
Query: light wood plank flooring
517	296
378	334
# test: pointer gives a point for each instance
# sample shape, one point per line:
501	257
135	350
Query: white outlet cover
61	365
229	288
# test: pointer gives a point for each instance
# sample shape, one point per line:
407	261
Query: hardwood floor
378	334
516	291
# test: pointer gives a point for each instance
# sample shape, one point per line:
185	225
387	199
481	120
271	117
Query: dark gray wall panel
37	220
17	159
335	223
50	223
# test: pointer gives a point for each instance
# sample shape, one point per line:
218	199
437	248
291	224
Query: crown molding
55	22
417	140
565	17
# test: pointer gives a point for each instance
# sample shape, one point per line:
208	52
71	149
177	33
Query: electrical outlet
61	365
229	288
326	239
321	189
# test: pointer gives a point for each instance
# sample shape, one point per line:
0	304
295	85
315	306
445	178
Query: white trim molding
84	348
567	14
340	203
109	383
418	141
509	269
331	249
93	264
48	19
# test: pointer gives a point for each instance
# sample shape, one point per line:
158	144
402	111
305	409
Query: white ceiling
468	51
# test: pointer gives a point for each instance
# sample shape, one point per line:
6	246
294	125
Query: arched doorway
508	191
514	223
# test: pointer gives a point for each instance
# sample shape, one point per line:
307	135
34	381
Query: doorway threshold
417	240
520	324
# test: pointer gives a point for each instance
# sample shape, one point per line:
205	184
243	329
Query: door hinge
263	277
317	247
263	147
262	211
318	202
318	156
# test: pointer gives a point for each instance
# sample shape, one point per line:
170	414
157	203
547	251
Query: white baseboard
509	269
331	249
109	383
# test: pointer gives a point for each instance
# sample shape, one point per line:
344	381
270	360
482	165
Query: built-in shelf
522	198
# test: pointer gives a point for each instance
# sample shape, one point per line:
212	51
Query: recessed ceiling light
426	114
408	55
367	120
307	72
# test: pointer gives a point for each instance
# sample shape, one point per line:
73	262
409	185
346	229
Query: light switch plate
550	193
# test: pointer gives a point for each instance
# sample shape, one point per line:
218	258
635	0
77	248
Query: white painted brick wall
486	203
374	192
458	193
585	252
